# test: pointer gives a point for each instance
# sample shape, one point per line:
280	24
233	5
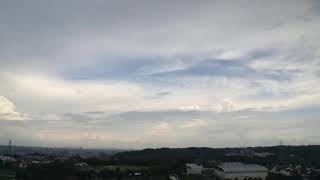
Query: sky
167	73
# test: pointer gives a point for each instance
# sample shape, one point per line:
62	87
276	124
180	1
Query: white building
173	177
7	159
194	169
81	164
241	171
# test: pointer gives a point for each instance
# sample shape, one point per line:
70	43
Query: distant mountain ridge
309	154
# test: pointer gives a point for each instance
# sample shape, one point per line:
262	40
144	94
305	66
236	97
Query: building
173	177
194	169
264	154
240	171
81	164
7	159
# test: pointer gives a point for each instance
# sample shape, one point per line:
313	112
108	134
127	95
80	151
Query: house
173	177
194	168
81	164
240	171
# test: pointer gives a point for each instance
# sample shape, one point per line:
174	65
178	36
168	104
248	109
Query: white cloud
190	108
195	123
49	93
8	112
232	54
160	129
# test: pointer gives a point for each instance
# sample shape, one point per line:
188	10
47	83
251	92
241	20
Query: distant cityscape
251	163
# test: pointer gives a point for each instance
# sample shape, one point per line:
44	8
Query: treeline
307	155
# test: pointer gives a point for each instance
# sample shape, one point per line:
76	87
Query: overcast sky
166	73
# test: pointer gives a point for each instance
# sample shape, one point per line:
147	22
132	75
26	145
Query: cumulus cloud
8	112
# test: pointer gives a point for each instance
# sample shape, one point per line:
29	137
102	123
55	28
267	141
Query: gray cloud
214	128
141	73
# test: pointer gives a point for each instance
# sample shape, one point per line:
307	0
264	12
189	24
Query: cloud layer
137	74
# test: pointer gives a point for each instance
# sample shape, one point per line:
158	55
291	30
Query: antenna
10	146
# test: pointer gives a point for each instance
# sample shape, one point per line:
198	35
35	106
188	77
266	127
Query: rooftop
240	167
